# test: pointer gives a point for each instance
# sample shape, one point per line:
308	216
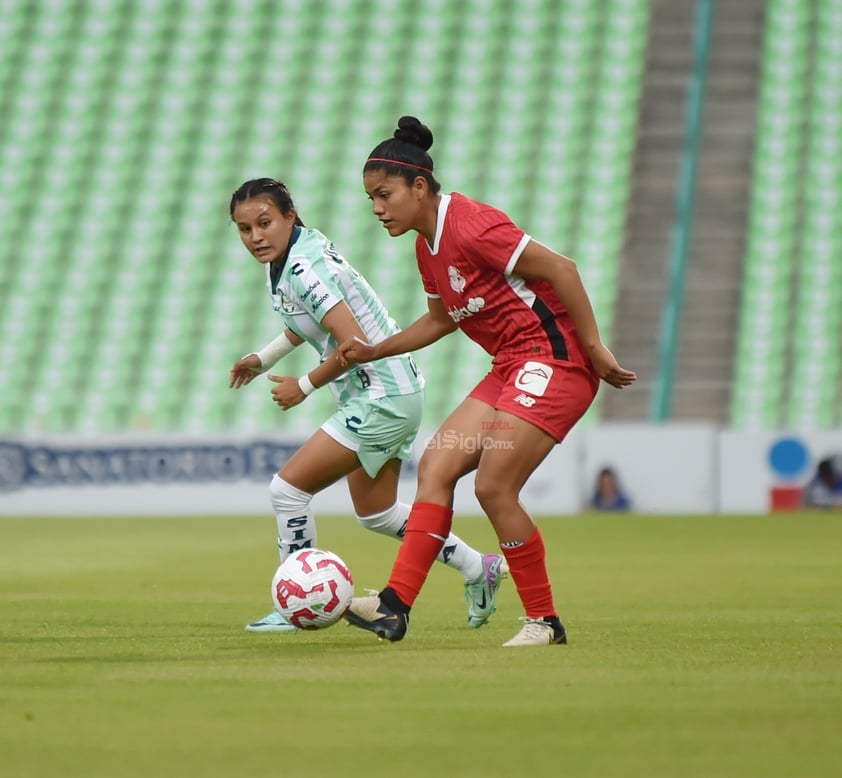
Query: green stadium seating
789	354
126	295
763	337
817	342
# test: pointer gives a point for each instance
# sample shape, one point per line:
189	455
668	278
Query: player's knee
492	493
391	522
286	497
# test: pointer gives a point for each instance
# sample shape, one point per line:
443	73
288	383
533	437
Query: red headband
398	162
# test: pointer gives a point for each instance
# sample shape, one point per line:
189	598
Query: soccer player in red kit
526	306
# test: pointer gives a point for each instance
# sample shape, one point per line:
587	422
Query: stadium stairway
709	323
704	367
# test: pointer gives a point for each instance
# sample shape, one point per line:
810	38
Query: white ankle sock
455	552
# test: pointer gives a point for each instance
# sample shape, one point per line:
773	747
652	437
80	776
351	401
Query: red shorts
550	395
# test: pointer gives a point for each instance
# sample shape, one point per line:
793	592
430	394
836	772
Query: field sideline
703	646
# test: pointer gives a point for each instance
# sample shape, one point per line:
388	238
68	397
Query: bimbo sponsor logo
474	305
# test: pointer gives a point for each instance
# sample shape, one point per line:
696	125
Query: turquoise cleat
481	595
272	622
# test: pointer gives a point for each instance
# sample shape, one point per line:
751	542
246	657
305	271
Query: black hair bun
410	130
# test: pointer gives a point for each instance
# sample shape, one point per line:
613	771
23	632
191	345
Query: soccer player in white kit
324	301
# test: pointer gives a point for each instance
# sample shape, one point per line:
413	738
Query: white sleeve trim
433	296
510	265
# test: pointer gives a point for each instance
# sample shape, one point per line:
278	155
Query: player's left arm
342	325
538	262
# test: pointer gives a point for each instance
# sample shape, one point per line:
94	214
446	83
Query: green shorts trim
377	429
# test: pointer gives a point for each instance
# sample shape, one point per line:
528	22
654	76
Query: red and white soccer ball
312	588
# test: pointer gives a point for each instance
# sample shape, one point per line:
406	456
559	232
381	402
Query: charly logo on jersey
473	305
533	378
457	280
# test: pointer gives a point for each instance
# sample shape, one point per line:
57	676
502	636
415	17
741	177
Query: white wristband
274	351
306	385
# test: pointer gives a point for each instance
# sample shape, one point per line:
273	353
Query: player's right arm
429	328
247	368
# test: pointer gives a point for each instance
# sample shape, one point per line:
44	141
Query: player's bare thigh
319	462
453	451
513	450
374	495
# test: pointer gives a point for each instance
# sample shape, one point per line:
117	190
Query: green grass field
698	647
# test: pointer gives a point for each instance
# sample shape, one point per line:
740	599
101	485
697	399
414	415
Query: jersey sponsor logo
318	303
458	314
533	378
312	292
457	280
526	402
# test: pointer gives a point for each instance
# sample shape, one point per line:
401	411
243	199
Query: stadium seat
130	130
789	354
817	335
765	312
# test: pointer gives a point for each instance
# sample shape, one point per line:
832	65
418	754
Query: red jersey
471	268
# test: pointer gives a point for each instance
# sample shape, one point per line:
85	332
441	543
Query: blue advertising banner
25	465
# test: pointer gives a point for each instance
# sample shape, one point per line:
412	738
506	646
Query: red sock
426	529
528	568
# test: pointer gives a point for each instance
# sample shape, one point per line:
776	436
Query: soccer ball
312	588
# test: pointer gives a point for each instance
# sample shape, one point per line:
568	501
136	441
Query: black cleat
373	614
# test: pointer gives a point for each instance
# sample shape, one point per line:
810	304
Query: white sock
296	525
455	553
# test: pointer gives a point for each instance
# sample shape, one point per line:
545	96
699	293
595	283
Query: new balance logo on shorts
526	402
533	378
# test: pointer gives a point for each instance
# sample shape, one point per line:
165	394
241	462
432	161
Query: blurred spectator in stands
825	488
608	495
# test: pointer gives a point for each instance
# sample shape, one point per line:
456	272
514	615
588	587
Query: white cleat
539	632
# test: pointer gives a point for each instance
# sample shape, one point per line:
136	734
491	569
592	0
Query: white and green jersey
313	278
